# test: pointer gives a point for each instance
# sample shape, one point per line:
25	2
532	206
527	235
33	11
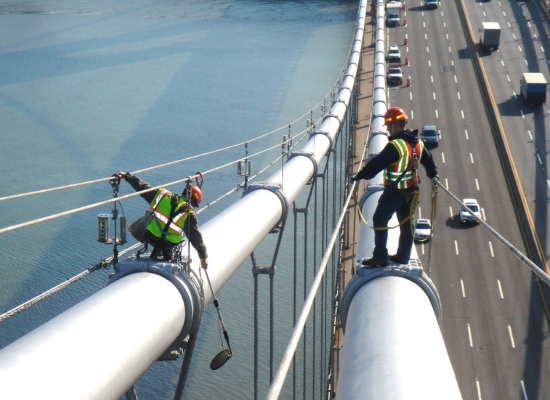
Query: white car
473	205
394	51
422	229
395	75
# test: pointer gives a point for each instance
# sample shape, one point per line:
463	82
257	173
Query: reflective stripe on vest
162	204
396	169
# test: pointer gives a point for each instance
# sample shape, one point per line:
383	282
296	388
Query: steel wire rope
535	268
16	196
94	205
280	375
63	285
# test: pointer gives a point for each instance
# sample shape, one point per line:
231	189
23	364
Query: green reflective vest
394	171
162	206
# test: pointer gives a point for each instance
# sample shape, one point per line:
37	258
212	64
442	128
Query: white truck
489	37
393	13
533	88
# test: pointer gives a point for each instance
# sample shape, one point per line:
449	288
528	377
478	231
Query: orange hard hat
196	193
393	115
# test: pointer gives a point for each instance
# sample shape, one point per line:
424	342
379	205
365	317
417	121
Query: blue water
89	88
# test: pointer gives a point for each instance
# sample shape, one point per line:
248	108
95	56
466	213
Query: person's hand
204	264
354	178
435	180
122	174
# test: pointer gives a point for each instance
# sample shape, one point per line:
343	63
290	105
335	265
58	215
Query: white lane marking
520	50
419	212
436	114
456	248
483	214
478	390
491	249
443	157
542	48
500	289
526	63
502	62
509	25
427	49
484	14
466	132
434	95
452	63
462	113
441	13
540	161
422	11
508	76
463	291
432	78
458	93
407	49
524	392
429	63
447	36
547	181
511	336
446	183
535	35
411	95
424	24
456	80
477	184
412	114
422	248
472	158
503	13
470	336
515	95
451	208
450	49
531	136
522	116
528	24
444	25
514	35
426	36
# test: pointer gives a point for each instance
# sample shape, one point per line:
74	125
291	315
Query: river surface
90	88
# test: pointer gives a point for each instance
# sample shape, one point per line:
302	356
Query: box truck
489	37
533	88
393	14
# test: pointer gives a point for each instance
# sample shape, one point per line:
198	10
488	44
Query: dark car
430	136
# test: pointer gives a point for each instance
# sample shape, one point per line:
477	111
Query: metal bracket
189	289
277	189
264	270
309	155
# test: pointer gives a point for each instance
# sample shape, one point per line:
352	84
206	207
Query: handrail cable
63	285
540	273
101	203
16	196
280	375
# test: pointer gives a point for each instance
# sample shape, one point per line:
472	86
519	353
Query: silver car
422	229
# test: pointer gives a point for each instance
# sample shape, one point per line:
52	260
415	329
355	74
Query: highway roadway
494	318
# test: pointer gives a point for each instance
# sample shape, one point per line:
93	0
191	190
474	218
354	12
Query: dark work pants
392	201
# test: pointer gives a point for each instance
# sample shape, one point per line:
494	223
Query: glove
435	180
354	178
204	264
122	174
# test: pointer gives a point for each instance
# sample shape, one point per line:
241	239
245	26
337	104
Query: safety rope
80	209
540	273
102	264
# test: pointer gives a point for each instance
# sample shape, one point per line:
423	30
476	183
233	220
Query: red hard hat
196	193
393	115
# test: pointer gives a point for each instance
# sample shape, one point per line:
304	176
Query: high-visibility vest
394	171
162	205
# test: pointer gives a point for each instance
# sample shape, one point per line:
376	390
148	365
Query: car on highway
430	135
473	205
395	75
393	51
422	229
431	4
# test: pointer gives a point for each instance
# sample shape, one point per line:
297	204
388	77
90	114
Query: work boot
394	258
374	262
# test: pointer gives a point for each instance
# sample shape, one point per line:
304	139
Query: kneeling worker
173	215
397	161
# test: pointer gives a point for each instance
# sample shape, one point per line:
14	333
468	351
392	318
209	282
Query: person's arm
428	162
387	156
139	185
191	229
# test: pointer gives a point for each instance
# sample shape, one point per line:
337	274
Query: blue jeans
391	201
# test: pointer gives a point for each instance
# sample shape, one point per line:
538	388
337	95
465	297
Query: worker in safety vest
397	161
173	217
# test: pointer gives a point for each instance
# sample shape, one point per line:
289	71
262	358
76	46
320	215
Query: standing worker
398	160
172	216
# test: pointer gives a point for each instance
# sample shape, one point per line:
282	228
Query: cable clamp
277	189
309	155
